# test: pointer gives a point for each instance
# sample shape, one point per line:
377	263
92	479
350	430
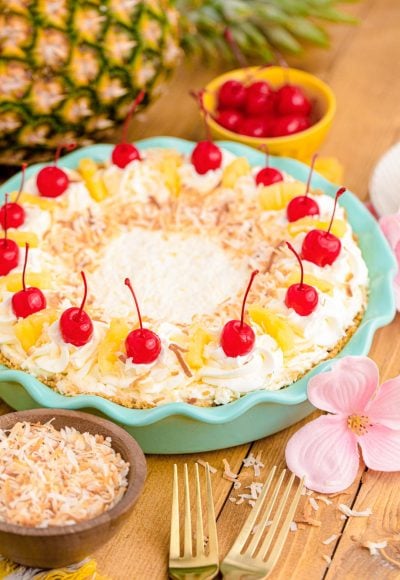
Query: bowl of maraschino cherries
289	110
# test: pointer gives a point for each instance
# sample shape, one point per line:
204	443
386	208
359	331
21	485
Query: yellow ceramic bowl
301	145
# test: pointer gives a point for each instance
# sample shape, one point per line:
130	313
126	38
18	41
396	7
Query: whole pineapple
69	69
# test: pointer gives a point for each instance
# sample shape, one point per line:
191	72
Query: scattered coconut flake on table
293	527
211	469
56	478
374	547
228	474
237	485
254	462
327	559
331	539
313	504
324	499
347	511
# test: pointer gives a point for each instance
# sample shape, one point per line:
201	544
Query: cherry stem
265	149
199	98
23	169
253	275
234	47
60	147
339	192
5	219
127	121
291	248
84	295
313	160
128	283
25	263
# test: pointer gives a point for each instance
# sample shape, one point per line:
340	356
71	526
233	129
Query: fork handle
180	575
241	575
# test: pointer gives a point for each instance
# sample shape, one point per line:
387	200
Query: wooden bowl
58	546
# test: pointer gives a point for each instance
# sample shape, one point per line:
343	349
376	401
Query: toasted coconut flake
293	527
331	539
55	478
313	504
374	547
211	469
327	559
324	499
347	511
228	474
309	521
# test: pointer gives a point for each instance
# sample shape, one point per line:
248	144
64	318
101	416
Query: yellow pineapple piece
30	199
93	179
306	224
283	331
236	168
322	285
13	282
22	238
111	344
278	195
28	330
198	340
169	168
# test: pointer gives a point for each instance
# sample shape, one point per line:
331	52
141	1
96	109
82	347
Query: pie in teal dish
181	427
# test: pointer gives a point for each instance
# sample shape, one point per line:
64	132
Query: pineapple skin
70	69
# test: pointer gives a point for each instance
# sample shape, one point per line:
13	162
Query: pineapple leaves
259	27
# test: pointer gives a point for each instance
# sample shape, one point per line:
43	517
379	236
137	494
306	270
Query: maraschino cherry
289	125
125	152
237	337
303	298
52	181
28	300
302	205
206	155
292	101
259	99
76	326
268	175
320	247
229	118
231	95
15	211
9	251
142	345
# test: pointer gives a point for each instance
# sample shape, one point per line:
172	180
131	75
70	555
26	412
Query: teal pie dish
184	428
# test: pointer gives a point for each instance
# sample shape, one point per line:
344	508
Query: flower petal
325	452
381	448
347	388
384	409
390	225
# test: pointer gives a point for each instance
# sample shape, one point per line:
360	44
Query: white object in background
384	185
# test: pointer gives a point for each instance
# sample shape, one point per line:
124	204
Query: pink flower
390	225
325	451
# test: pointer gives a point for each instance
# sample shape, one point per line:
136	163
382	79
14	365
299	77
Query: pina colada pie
183	238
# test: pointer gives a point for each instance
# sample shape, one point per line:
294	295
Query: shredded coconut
293	527
228	474
313	504
56	478
324	499
211	469
374	547
327	559
254	462
331	539
347	511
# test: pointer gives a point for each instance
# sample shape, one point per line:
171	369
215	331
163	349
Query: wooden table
363	69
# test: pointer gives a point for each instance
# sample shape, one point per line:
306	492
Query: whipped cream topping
184	278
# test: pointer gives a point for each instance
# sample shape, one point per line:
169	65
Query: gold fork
243	563
202	566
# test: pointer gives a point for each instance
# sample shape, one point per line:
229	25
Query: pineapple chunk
198	341
278	195
308	223
236	168
93	179
30	199
281	330
169	168
13	282
22	238
112	344
322	285
28	330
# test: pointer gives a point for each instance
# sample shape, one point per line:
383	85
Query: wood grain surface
363	69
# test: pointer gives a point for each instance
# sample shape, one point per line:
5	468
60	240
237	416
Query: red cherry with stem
229	118
124	153
9	251
237	337
28	300
289	125
76	326
291	100
302	205
15	211
303	298
142	345
320	247
260	99
52	181
231	95
253	127
268	175
206	155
